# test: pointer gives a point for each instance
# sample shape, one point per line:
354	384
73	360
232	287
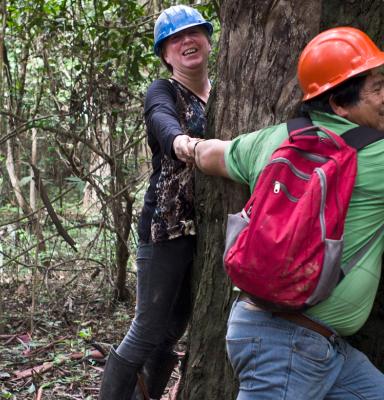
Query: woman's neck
197	83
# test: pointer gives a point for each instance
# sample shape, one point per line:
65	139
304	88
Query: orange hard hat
334	56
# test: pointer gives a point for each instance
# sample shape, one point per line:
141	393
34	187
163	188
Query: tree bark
122	215
101	171
3	128
32	187
10	163
256	86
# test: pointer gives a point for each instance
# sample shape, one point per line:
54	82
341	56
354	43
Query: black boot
119	378
155	374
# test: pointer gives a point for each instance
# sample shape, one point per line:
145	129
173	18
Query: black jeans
163	301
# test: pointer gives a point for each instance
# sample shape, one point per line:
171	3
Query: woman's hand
181	148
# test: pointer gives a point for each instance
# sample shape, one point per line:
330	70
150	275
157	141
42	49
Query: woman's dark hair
345	94
168	66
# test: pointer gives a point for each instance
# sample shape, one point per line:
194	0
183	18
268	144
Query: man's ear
338	110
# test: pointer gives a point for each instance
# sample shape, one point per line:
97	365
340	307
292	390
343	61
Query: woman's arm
162	120
161	117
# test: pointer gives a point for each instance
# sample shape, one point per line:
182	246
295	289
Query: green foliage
78	182
6	395
31	388
25	180
85	333
77	73
8	209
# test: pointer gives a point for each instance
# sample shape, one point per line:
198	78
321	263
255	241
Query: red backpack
285	247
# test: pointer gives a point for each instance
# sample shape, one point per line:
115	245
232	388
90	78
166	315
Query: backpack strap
346	268
298	123
362	136
358	137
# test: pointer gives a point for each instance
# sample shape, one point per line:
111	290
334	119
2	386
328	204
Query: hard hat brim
157	46
373	63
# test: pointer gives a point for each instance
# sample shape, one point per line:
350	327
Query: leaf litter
64	356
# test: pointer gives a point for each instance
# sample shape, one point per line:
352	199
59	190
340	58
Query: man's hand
181	147
209	156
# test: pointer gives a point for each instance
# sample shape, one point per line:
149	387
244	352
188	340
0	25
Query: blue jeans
275	359
163	299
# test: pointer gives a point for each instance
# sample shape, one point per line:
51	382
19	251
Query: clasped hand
184	147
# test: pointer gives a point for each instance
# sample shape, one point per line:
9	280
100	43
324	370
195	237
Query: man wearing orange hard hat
300	352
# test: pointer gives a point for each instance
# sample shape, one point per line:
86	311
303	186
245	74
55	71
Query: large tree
259	47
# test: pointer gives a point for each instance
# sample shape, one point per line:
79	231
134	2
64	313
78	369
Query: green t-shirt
349	305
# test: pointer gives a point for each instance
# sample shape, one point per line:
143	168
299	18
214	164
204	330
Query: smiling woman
175	117
186	53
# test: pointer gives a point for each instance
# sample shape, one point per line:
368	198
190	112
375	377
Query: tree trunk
10	163
32	186
101	171
122	216
3	128
121	206
255	86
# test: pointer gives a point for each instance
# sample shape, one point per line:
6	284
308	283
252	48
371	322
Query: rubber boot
155	374
119	378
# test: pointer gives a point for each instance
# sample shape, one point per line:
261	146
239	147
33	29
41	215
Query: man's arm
209	156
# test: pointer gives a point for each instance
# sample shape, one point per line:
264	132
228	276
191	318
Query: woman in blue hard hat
174	116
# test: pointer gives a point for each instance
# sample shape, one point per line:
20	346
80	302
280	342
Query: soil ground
62	354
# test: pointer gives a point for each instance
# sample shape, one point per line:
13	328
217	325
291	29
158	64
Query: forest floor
61	354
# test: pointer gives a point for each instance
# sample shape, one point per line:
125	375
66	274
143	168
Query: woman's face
187	50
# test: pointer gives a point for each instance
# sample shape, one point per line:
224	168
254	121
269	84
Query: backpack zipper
279	186
323	186
295	171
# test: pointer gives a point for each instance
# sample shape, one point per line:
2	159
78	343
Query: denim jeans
163	301
275	359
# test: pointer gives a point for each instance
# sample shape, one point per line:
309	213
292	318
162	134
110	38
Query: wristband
194	147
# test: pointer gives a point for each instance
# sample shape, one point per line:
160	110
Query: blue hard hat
175	19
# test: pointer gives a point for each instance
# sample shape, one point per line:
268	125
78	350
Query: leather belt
295	317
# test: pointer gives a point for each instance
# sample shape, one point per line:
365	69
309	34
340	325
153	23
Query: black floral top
170	110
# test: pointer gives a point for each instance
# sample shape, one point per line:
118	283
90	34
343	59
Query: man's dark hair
345	94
